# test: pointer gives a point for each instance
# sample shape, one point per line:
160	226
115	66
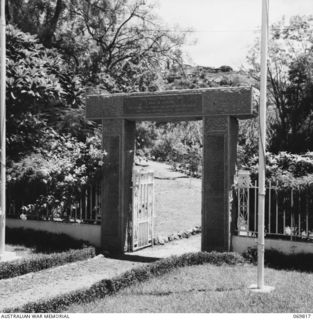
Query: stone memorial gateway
219	108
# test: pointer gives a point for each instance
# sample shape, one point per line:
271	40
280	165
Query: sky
224	30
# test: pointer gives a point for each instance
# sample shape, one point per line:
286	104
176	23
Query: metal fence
87	208
288	212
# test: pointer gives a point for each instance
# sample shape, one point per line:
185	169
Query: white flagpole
2	126
262	146
262	141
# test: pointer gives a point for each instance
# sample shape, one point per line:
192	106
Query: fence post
276	205
307	198
291	213
269	206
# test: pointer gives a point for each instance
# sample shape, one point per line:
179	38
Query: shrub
287	170
43	241
177	143
43	261
51	156
53	177
278	260
140	274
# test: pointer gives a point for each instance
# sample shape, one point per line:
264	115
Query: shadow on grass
42	241
133	258
302	262
168	293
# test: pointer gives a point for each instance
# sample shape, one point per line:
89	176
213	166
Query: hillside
191	77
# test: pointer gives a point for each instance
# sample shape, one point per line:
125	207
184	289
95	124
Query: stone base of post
8	256
265	289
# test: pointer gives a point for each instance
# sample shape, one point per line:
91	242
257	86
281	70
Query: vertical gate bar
255	203
133	210
96	203
47	213
284	213
147	214
153	208
269	206
86	204
142	197
276	204
80	208
74	212
147	209
248	209
299	214
143	209
139	198
292	212
307	213
144	212
139	208
238	217
90	203
299	224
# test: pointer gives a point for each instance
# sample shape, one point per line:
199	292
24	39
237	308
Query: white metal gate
142	210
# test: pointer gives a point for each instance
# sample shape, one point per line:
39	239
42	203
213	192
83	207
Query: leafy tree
50	154
38	17
41	92
116	45
290	83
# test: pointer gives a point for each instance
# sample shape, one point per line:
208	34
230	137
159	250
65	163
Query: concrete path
49	283
178	247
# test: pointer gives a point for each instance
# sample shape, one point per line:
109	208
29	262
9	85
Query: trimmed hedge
43	261
278	260
43	241
111	286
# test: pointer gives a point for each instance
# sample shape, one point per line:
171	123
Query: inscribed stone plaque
171	105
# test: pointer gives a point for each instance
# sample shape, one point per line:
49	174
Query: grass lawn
209	288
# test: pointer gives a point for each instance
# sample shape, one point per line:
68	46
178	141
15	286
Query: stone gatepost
219	108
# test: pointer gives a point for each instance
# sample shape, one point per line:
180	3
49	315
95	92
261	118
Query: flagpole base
256	289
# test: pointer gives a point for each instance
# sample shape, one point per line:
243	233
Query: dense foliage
52	150
287	170
290	83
